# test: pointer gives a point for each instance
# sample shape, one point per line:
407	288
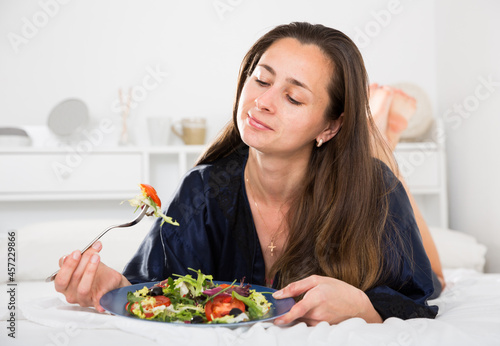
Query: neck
275	180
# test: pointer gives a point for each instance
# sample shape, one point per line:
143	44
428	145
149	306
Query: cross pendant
271	247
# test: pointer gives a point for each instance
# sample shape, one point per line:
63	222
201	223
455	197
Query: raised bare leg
402	109
380	104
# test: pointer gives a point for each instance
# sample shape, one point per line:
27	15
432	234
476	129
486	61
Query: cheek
306	124
247	100
247	94
244	97
242	108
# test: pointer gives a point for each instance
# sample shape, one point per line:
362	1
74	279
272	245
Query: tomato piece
147	306
162	300
130	307
220	306
150	192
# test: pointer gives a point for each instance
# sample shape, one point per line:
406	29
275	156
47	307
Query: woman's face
282	104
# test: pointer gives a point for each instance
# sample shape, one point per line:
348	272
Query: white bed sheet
469	315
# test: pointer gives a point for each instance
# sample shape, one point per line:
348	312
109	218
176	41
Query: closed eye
261	83
293	101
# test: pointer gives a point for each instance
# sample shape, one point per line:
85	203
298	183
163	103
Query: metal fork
128	224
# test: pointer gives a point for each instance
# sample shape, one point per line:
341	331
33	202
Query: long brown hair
337	221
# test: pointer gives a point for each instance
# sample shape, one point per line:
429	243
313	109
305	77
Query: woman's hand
326	299
83	279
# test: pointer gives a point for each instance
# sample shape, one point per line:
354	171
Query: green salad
197	300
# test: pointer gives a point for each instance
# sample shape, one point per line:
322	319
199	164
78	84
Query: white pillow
39	246
458	250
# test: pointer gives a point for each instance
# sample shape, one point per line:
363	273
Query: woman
288	195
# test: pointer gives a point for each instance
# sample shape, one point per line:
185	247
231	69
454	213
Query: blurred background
180	59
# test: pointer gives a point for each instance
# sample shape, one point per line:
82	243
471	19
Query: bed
469	308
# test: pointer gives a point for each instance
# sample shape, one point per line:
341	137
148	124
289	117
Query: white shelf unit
52	174
423	166
36	174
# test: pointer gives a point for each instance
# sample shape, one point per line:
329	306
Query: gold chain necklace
271	245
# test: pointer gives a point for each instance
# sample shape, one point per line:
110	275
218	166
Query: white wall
468	53
89	49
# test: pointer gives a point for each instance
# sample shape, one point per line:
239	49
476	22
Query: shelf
70	196
112	173
177	149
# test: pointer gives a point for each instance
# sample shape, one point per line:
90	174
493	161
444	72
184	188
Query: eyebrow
289	80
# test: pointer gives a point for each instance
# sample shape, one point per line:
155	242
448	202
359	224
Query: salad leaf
144	199
195	286
257	304
242	290
231	319
132	298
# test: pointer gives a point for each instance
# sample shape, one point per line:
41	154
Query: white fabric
469	315
458	249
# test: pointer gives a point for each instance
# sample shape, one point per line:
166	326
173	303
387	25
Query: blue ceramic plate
114	302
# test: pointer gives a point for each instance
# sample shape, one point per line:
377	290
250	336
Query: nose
264	102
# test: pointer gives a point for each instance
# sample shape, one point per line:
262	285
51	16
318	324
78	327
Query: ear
332	129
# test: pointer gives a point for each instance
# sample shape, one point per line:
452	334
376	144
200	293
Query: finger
84	290
80	270
297	311
297	288
61	260
309	321
65	274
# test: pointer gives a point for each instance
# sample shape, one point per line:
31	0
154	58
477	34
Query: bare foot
380	104
402	109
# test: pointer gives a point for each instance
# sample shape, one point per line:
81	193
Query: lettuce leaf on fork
150	198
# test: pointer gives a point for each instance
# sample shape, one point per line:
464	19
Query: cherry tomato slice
149	191
162	300
220	306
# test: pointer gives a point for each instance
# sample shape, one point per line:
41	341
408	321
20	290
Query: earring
319	143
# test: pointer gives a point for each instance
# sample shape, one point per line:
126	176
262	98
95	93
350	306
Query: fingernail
94	258
75	255
278	294
279	322
96	245
64	259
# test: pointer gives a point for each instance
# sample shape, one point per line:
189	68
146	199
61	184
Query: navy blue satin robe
217	235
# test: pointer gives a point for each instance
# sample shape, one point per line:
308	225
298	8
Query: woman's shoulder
391	182
387	173
400	208
214	181
223	168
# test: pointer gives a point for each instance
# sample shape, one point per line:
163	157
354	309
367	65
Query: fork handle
137	219
53	276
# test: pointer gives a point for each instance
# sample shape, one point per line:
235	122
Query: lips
257	124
